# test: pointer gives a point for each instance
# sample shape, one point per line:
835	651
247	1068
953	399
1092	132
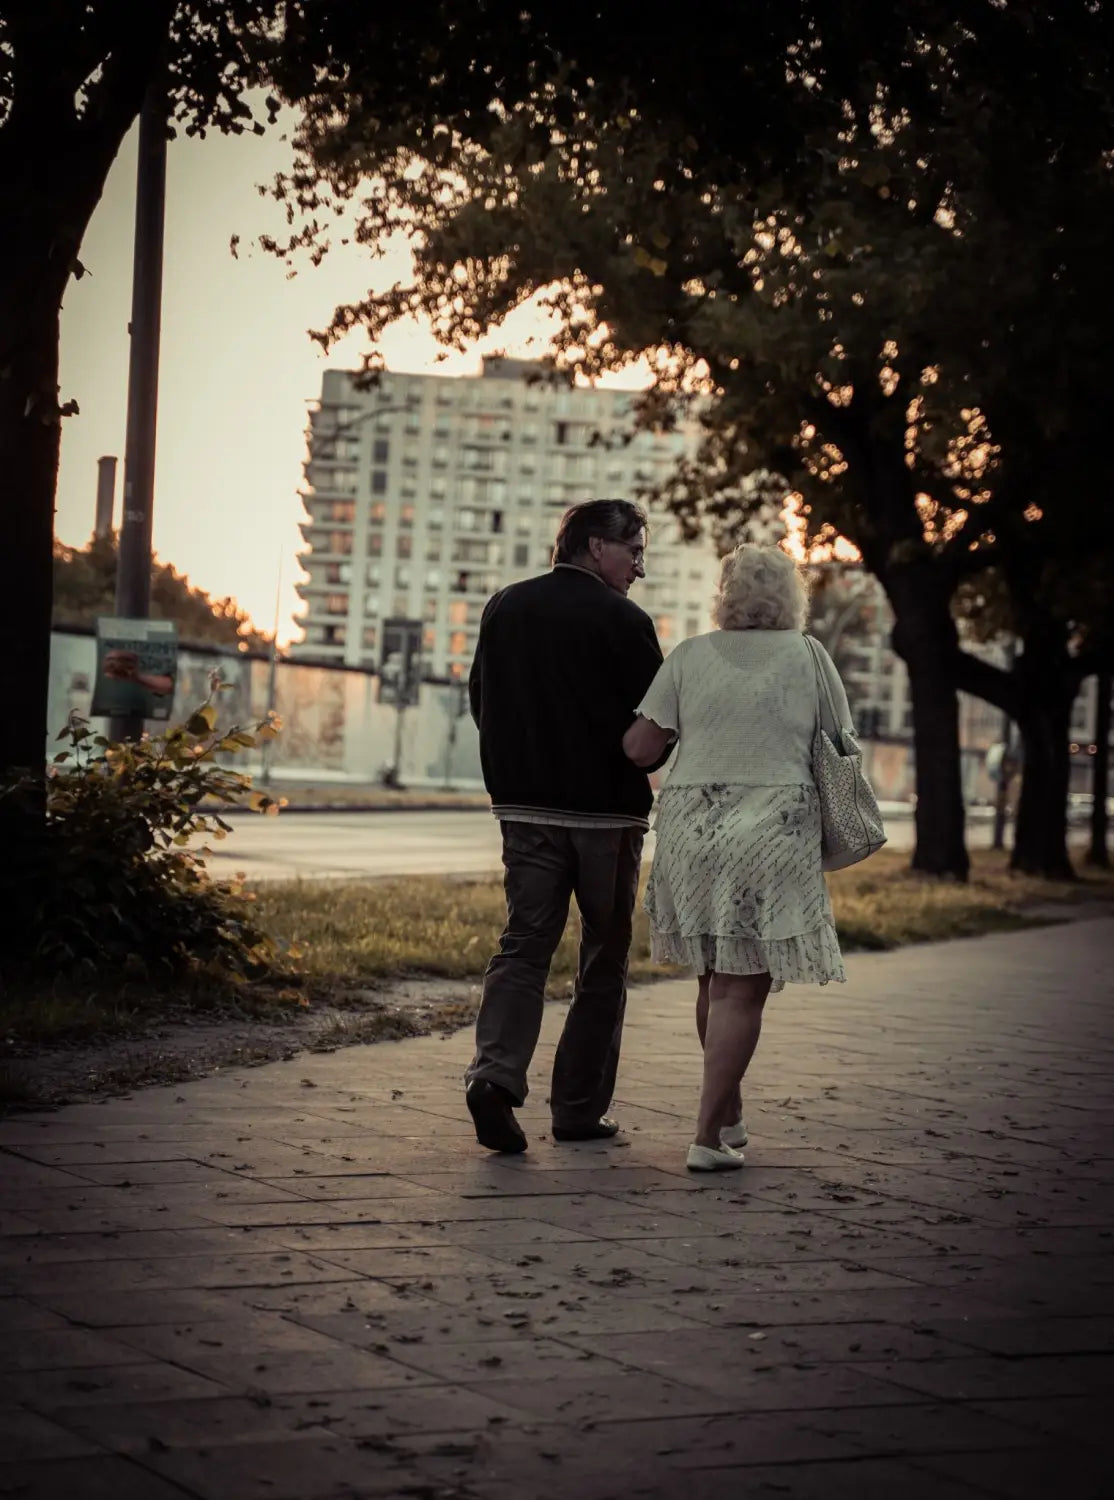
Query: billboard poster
137	666
400	662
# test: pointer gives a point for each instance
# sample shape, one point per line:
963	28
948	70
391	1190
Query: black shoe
595	1130
491	1108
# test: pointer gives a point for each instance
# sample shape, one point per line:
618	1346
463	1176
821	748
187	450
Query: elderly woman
736	891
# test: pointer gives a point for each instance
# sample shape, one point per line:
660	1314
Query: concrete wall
334	729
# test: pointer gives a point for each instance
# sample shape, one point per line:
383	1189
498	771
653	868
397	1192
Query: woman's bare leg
733	1026
735	1110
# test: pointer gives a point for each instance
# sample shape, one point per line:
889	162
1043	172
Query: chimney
106	496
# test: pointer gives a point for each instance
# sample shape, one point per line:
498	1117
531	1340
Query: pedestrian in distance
561	663
737	890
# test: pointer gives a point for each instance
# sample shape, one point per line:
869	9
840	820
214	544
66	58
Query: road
377	844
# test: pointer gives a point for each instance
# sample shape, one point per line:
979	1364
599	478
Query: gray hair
760	588
614	520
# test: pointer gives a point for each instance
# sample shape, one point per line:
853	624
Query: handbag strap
823	691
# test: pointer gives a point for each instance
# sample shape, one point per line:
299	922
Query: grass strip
353	931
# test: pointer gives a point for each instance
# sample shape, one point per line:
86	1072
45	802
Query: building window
497	521
379	482
433	578
429	638
343	510
332	573
435	520
371	606
380	451
374	575
433	550
665	627
398	606
378	511
430	610
336	604
458	612
375	544
561	432
522	555
334	635
403	574
458	643
341	541
404	545
692	625
406	516
370	635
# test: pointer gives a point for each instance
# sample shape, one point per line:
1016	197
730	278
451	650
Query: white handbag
850	820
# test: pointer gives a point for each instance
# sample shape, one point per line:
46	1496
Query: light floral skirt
736	884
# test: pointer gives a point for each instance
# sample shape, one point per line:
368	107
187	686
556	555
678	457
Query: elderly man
561	664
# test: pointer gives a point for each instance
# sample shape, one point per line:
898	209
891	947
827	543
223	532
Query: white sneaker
713	1158
734	1135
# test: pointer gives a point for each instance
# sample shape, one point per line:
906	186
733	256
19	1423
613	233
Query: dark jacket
561	665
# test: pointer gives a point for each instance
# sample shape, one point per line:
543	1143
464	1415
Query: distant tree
85	587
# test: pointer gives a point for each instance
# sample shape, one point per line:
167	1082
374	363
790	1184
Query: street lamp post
133	570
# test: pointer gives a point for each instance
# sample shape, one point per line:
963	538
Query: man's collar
576	568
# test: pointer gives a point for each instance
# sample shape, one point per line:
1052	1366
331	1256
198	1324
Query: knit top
744	704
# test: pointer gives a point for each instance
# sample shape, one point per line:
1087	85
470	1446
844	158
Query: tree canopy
878	240
85	587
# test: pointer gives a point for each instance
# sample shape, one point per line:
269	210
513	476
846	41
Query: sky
237	368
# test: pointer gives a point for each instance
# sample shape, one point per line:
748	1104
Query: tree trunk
940	847
925	638
29	442
1040	845
1098	854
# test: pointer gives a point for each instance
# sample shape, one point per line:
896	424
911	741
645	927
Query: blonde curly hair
760	588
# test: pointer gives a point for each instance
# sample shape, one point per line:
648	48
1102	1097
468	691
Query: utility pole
133	572
106	497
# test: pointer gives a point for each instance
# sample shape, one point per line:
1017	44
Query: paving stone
123	1309
318	1468
1027	1474
25	1436
738	1437
91	1478
865	1479
940	1427
989	1378
1035	1335
48	1390
268	1268
62	1349
18	1315
640	1394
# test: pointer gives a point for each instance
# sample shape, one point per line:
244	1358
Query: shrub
119	885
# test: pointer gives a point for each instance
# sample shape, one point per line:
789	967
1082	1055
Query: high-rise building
426	494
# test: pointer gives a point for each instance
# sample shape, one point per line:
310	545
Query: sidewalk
306	1281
